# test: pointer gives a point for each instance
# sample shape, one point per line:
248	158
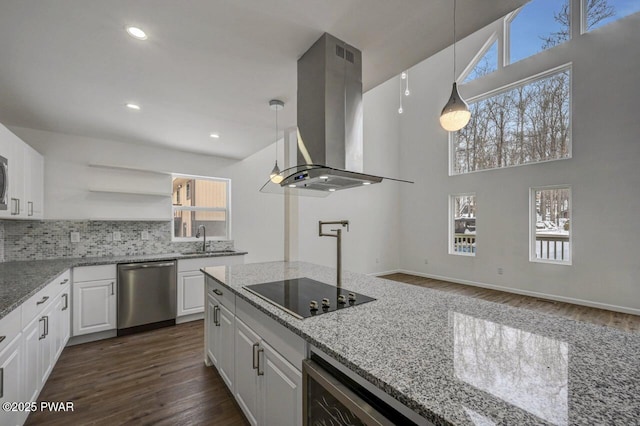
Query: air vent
340	51
350	56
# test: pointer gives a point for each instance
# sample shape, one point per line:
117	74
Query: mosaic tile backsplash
50	239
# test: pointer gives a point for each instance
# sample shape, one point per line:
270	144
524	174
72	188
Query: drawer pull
44	299
44	334
216	312
218	292
2	338
66	302
255	346
63	282
260	373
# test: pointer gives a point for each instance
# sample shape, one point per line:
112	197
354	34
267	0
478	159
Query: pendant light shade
455	114
275	176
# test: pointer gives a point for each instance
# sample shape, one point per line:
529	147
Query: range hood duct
330	122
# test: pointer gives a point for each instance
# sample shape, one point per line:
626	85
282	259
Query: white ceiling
208	65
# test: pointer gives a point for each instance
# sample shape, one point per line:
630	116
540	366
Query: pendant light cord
454	41
276	134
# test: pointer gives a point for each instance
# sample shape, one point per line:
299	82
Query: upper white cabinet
25	178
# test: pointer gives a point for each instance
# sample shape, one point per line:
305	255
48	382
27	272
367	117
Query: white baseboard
191	317
86	338
572	300
377	274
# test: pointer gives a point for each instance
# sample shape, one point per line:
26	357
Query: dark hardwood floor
618	320
152	378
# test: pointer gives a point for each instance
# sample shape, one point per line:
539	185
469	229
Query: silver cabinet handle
260	373
44	299
216	313
30	208
112	290
255	345
1	382
43	335
66	302
15	206
46	326
2	338
218	292
63	282
158	265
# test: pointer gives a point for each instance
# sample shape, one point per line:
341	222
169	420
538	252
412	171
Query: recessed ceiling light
366	183
324	177
332	190
292	186
214	135
136	33
133	106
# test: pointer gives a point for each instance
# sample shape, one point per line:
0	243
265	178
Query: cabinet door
33	333
210	328
47	344
17	205
246	386
225	348
61	323
34	184
94	306
280	389
11	373
190	293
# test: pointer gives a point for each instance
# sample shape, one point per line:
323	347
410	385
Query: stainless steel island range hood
330	122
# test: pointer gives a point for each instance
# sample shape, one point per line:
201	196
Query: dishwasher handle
132	266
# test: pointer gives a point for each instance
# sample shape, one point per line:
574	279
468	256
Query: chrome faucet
204	234
338	236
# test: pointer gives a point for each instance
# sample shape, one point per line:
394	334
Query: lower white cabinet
94	299
220	335
191	281
11	377
268	387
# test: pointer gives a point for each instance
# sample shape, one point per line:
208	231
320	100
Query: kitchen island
458	360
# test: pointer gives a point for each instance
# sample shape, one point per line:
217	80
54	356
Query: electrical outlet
75	237
500	271
377	260
117	236
109	237
144	235
426	261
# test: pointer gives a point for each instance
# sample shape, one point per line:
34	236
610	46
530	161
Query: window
462	224
526	123
206	203
538	26
550	218
486	64
598	13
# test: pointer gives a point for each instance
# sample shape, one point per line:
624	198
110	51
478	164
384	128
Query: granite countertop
457	360
21	280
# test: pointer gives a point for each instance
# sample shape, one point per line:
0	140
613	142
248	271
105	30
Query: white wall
603	173
257	219
372	243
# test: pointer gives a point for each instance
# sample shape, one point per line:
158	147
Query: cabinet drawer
10	327
223	294
94	273
39	301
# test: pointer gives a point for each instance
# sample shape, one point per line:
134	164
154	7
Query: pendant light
455	114
275	176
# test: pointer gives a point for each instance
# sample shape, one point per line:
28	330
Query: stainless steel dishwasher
146	296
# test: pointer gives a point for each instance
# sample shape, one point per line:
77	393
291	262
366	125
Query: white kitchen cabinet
26	178
11	376
190	295
94	306
268	387
220	336
62	321
40	354
95	299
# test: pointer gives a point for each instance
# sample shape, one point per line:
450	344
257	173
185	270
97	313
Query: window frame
227	210
505	88
452	223
533	220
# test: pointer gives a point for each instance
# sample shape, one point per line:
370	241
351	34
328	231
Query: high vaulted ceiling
208	65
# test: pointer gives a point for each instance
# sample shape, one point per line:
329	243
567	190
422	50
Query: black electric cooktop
304	297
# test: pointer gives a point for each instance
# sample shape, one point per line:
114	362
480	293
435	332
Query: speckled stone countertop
464	361
21	280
